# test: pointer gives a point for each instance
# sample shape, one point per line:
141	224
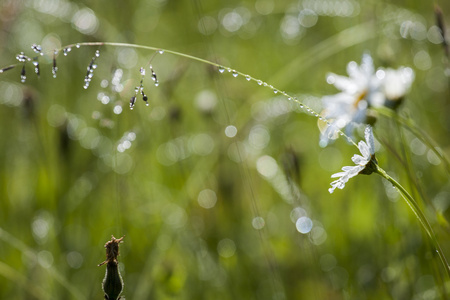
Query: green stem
419	214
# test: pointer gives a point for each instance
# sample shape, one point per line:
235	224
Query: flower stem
419	214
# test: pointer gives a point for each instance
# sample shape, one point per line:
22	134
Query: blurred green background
209	212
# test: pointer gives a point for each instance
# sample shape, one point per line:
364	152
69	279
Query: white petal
347	168
353	70
397	82
340	184
340	174
367	65
376	98
355	171
359	160
369	139
364	148
346	84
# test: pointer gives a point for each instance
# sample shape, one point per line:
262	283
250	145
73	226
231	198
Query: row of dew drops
308	109
139	90
22	58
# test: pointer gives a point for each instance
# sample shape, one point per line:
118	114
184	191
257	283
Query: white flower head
365	164
349	107
394	85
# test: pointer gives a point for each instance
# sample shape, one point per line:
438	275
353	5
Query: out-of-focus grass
65	188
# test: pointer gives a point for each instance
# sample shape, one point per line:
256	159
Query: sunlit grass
209	213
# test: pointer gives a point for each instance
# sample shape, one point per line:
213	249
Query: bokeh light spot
258	223
304	225
267	166
230	131
207	198
226	248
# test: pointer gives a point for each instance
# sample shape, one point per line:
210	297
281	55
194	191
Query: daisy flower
348	107
365	164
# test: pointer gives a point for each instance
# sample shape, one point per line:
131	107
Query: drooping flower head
362	89
365	164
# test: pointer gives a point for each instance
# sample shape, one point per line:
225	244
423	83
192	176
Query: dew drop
54	71
301	106
235	74
259	82
117	109
161	51
248	77
275	91
37	49
66	51
97	53
221	69
21	57
77	45
132	102
142	70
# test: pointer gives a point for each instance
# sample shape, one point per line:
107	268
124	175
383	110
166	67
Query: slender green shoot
419	214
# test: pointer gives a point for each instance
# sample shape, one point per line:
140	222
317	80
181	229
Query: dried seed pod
112	283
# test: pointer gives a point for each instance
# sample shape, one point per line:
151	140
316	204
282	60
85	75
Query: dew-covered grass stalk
221	68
